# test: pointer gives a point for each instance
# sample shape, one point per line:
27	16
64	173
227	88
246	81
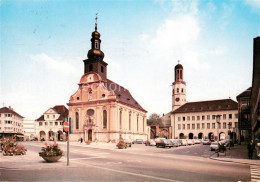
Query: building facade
11	123
101	110
255	94
29	129
198	119
49	127
244	123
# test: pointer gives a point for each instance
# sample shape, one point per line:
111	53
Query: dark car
164	143
128	142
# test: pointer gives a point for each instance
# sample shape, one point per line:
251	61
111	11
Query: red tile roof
60	109
206	106
7	110
123	95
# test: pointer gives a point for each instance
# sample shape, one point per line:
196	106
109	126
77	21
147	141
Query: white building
49	126
29	129
198	119
11	123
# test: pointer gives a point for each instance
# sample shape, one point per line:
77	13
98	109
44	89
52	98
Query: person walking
81	140
250	148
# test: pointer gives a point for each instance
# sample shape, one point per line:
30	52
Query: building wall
11	123
29	128
178	123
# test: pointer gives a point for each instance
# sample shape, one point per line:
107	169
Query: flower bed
10	147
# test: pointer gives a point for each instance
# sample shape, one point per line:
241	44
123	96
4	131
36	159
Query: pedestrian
81	140
250	148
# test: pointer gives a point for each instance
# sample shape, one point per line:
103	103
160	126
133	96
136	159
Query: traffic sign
66	126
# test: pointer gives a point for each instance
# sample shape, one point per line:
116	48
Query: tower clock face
177	99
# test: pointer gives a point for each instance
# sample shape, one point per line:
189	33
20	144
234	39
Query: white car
214	146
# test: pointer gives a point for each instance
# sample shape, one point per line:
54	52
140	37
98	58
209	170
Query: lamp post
218	123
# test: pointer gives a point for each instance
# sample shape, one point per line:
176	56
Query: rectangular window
53	116
188	118
51	123
224	116
213	116
179	118
230	116
236	116
224	125
230	124
46	124
213	125
56	123
183	126
193	118
198	117
40	123
188	126
219	125
183	118
208	117
61	123
203	117
193	126
6	115
236	124
179	126
48	116
203	126
208	125
198	126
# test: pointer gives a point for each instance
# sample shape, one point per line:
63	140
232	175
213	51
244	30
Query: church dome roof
178	66
92	53
96	34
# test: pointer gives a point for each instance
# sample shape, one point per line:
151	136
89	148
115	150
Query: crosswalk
255	173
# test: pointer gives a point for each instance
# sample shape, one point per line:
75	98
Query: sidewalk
236	154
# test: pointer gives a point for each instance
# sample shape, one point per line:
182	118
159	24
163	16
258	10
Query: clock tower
178	88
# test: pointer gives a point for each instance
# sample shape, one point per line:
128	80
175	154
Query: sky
43	43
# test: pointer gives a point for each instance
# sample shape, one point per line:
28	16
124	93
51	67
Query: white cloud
54	64
255	4
143	36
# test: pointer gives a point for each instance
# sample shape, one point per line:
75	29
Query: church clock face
177	99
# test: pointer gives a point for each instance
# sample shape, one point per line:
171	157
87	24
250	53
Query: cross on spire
96	22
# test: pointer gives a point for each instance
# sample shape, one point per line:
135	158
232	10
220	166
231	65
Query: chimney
10	108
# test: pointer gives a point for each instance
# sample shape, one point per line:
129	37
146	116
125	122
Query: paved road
138	164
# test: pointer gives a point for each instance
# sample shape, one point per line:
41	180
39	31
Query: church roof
8	110
207	106
123	95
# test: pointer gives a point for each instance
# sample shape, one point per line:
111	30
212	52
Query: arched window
104	119
90	67
77	120
129	121
102	69
182	90
181	74
120	120
96	45
173	91
178	74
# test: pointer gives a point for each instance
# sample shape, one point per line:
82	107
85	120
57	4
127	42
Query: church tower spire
178	88
95	55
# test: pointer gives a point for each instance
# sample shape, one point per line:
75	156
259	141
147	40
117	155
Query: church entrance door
90	135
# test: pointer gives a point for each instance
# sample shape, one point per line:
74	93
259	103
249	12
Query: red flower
46	144
57	145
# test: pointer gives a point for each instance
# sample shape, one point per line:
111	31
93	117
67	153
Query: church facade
101	110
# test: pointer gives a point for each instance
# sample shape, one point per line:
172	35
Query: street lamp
218	123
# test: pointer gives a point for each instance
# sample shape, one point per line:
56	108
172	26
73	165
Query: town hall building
101	110
199	119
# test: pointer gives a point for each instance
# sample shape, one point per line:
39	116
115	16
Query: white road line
97	157
129	173
255	173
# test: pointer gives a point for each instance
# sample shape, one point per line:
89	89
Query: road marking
129	173
255	173
86	158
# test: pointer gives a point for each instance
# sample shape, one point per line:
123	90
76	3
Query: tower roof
178	66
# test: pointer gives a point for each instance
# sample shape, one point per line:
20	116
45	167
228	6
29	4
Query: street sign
66	126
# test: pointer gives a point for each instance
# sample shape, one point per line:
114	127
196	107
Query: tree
154	119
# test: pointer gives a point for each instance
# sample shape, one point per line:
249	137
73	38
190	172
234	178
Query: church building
101	110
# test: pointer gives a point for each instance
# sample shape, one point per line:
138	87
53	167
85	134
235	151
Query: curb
237	162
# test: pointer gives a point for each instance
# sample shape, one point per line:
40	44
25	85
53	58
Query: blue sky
44	42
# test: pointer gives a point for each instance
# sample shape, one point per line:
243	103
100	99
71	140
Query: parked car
138	141
164	143
184	142
197	141
175	142
150	142
214	146
191	142
206	142
159	139
128	142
